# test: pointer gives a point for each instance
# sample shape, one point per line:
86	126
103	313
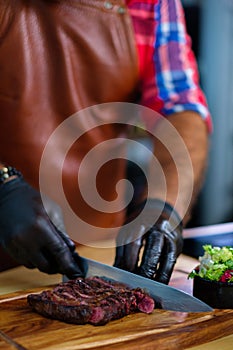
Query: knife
166	297
11	341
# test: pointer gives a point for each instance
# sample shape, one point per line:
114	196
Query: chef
76	77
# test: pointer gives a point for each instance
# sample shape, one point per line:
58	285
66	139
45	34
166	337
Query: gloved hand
28	234
159	232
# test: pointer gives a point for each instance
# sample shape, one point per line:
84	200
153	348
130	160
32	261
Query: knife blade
11	341
166	297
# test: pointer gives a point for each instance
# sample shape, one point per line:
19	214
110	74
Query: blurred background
210	25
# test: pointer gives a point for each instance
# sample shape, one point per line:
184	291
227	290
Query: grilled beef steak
90	300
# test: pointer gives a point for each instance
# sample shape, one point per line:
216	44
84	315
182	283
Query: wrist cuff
165	207
167	211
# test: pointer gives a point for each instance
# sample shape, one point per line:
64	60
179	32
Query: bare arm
183	166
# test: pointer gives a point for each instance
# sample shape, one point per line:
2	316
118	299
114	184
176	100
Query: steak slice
91	300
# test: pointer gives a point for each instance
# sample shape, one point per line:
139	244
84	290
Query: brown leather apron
58	58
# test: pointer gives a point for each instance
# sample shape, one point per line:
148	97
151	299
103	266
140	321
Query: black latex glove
28	234
159	232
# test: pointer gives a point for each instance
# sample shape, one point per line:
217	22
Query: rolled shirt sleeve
168	68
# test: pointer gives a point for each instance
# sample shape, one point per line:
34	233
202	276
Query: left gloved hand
28	234
159	231
55	214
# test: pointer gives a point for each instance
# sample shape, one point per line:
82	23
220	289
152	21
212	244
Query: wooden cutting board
162	329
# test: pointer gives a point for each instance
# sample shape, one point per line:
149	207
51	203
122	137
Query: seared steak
90	300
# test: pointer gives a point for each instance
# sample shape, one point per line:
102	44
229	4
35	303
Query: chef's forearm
183	166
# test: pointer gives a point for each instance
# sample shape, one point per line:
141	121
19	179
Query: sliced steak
91	300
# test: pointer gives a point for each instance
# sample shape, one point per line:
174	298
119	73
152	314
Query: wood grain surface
162	329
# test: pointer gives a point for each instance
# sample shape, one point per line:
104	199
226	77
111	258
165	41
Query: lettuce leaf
216	264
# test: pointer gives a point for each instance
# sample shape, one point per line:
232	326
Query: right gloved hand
28	234
158	234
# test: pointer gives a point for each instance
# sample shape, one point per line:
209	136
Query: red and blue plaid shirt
168	68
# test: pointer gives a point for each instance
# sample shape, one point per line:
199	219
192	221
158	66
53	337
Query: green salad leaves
216	264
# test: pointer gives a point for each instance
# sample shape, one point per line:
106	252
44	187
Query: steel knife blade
168	298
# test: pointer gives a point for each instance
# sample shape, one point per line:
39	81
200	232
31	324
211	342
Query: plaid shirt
168	68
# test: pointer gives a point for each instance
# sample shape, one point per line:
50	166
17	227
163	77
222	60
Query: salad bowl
213	278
